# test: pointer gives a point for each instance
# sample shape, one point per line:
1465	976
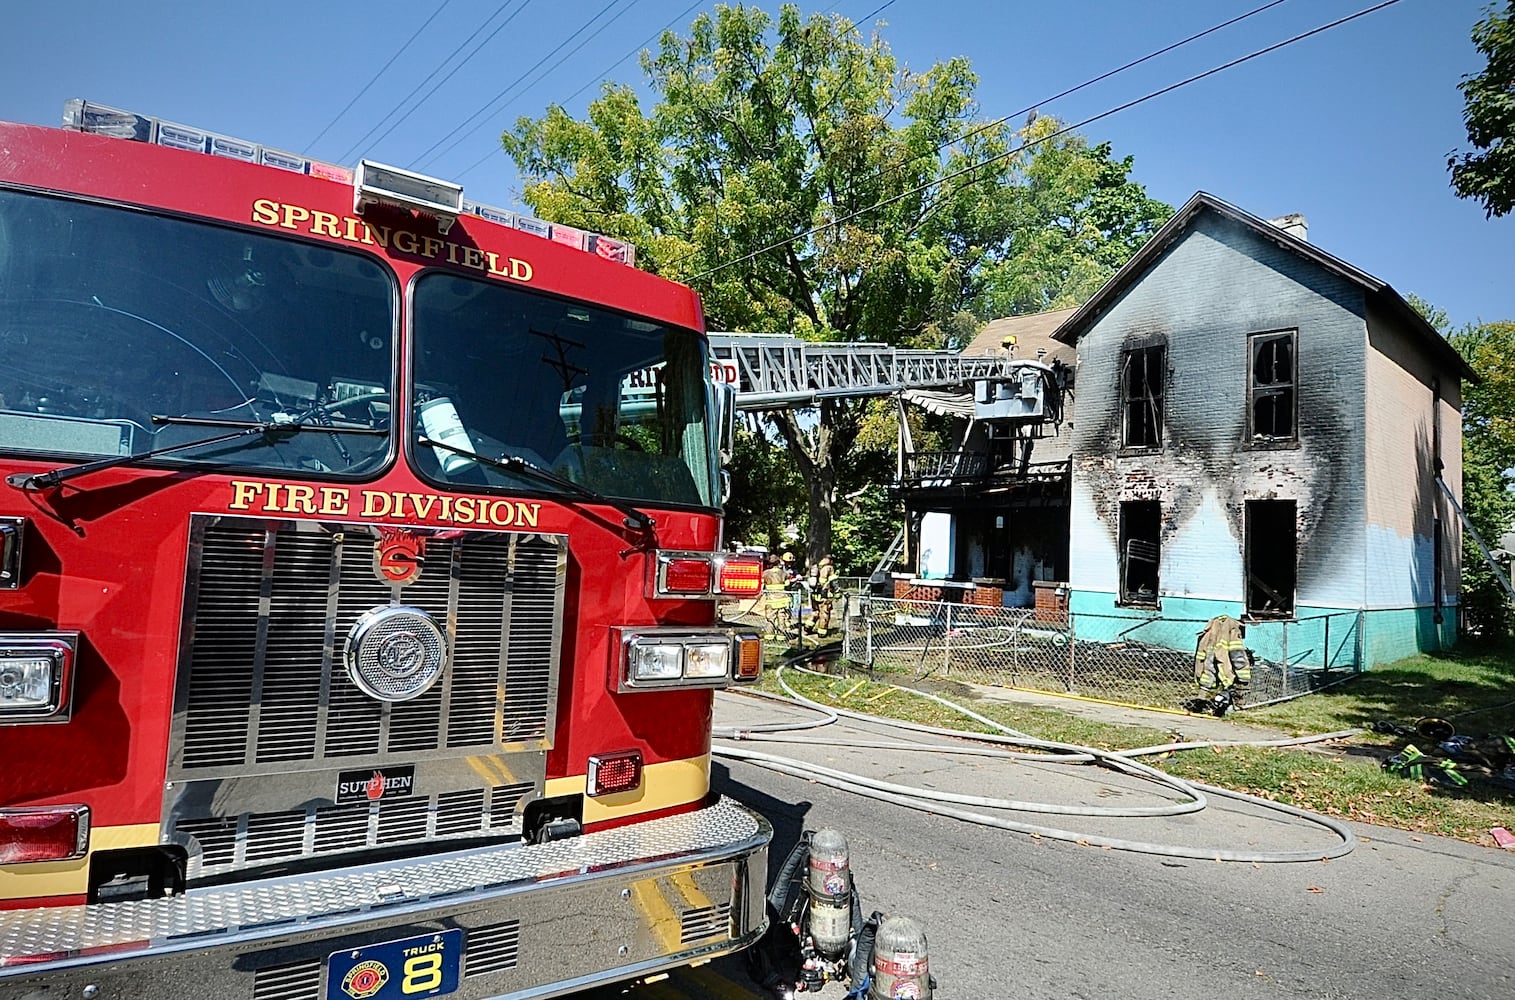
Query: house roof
1032	332
1378	291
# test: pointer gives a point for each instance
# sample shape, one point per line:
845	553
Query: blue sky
1351	127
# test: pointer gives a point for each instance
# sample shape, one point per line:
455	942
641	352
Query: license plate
421	966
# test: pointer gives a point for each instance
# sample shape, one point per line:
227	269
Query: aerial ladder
779	372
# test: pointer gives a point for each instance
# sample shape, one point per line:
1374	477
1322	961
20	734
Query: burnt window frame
1156	403
1126	595
1252	513
1254	390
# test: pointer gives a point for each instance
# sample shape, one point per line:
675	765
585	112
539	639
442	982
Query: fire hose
1192	794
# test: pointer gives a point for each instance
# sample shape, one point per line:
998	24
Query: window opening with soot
1271	397
1141	395
1271	558
1140	551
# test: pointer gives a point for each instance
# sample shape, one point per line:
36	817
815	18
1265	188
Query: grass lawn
1473	687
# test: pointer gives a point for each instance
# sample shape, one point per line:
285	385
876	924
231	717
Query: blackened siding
1218	283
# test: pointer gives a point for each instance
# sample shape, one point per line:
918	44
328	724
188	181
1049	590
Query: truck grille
220	843
273	602
266	719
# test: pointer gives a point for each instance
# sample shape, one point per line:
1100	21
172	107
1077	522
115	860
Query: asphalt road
1009	915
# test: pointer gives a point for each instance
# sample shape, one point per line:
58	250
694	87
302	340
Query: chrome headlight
673	658
36	675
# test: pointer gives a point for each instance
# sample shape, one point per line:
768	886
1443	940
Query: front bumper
537	921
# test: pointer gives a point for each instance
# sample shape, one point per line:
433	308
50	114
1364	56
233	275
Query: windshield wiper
635	519
282	421
243	428
286	425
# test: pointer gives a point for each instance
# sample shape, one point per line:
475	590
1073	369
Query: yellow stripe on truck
671	783
71	878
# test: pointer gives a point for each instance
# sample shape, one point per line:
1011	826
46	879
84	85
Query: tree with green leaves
1488	458
1487	174
805	183
1488	418
1076	218
766	492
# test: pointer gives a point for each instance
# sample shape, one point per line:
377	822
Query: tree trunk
821	487
815	450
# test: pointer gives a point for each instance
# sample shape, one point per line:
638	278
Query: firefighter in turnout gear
776	598
822	593
1222	666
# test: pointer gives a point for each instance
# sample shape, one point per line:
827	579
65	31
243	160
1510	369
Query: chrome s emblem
395	652
398	555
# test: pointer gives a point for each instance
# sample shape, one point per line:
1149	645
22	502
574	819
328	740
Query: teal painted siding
1316	637
1401	632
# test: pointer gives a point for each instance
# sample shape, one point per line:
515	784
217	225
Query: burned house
1265	431
989	518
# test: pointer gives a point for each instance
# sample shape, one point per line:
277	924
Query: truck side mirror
725	406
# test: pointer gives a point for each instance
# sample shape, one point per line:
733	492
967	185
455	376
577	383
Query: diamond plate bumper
537	920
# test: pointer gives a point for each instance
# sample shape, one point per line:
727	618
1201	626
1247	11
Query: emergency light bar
373	183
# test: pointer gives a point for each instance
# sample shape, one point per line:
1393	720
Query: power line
380	73
1103	76
495	111
645	42
1046	138
967	135
1087	83
639	47
480	117
496	13
600	75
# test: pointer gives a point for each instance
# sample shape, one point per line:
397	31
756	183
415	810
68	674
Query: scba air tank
900	969
440	420
830	889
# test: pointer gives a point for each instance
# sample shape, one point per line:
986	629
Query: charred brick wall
1216	285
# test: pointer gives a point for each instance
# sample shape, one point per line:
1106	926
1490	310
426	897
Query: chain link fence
791	618
794	616
1146	662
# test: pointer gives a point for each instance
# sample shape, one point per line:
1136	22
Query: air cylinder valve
830	890
900	969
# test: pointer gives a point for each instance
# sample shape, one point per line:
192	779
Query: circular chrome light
395	653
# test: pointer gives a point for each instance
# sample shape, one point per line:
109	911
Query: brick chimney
1293	224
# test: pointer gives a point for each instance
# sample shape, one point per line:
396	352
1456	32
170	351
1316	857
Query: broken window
1271	388
1271	558
1141	396
1140	549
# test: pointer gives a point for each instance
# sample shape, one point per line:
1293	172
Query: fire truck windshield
112	320
607	401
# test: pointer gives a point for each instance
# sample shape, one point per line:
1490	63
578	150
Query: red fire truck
361	557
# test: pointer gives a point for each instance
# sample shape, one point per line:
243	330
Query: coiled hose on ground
1191	794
